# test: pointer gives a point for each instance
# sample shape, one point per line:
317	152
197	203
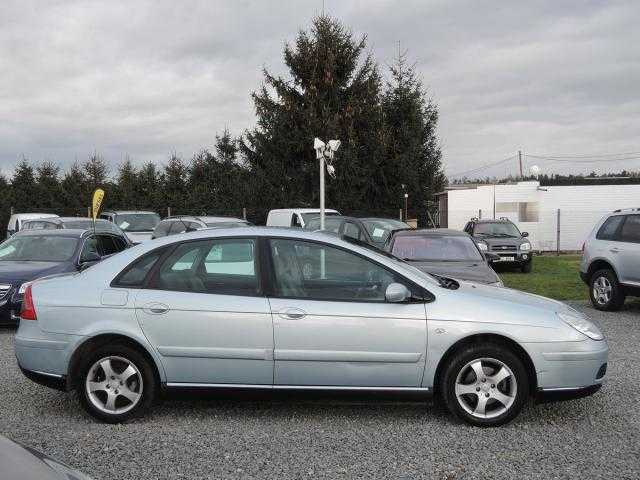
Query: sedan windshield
497	229
379	228
137	222
38	248
447	248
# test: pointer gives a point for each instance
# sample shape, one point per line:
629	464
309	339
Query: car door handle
292	314
156	308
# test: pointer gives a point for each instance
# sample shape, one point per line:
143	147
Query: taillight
28	310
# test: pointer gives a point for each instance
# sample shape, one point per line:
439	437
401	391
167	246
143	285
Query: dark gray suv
502	238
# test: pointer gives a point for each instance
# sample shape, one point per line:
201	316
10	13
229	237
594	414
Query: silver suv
611	259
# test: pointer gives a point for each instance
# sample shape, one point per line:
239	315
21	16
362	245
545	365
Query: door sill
242	386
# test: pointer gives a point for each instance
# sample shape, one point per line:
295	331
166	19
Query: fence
551	230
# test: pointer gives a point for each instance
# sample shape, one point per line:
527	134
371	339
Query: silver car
276	308
611	259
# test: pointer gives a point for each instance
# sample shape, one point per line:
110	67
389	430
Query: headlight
483	246
525	247
581	324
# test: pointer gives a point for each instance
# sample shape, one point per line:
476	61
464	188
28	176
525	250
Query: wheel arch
600	264
483	338
102	339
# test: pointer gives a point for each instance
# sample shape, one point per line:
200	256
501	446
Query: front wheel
527	267
605	291
117	383
485	386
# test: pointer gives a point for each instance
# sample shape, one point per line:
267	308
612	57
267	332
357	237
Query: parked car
77	223
18	462
182	224
295	217
611	259
16	220
32	254
445	252
138	225
374	231
502	238
282	309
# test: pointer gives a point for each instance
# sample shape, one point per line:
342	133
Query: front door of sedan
204	312
332	326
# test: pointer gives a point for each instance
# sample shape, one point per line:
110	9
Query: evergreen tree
333	92
412	150
96	171
75	193
174	187
24	190
49	194
149	187
127	185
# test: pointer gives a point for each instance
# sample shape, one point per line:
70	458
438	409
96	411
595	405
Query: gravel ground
315	437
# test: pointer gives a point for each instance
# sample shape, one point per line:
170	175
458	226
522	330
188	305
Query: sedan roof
62	232
426	232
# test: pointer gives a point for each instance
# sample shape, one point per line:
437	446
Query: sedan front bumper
569	368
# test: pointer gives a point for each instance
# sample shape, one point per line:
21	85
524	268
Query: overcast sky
148	78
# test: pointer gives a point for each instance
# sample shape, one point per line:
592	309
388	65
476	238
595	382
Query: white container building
556	217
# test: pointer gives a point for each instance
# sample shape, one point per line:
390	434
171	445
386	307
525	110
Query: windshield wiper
445	282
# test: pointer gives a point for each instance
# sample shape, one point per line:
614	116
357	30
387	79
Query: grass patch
552	276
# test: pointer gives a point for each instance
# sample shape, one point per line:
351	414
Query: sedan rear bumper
57	382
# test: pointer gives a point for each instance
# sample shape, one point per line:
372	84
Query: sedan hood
20	271
138	237
513	296
469	270
18	462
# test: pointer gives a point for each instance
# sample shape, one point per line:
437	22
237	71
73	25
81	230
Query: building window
518	211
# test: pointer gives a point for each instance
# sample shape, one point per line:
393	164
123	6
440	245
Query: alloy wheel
602	290
486	388
114	385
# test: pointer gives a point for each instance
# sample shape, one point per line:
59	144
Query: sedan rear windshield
436	248
137	222
38	248
379	229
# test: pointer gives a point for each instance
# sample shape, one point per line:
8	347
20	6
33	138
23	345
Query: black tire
458	364
145	371
617	297
527	267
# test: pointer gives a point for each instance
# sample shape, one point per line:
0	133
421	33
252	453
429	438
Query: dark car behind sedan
444	252
24	463
374	231
32	254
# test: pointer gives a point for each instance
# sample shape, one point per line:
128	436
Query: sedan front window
436	248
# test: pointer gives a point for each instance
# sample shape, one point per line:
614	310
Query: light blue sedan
287	309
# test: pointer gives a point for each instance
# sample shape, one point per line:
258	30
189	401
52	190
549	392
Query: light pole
406	199
325	151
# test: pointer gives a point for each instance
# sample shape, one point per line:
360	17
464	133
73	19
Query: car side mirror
491	257
397	293
525	234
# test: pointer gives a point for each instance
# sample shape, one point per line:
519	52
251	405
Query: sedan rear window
435	248
38	248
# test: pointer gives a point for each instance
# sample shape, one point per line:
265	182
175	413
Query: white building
538	210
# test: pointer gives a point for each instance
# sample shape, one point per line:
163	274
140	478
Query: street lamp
406	199
324	152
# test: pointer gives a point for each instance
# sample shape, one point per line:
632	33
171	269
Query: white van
295	217
15	221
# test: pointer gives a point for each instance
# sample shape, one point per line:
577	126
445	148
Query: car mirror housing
525	234
89	258
397	293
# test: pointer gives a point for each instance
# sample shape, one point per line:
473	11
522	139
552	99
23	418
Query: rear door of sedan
204	311
332	325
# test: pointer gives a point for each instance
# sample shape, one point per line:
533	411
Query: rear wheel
485	385
116	384
605	291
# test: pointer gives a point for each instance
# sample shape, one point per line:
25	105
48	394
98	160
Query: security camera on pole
325	151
